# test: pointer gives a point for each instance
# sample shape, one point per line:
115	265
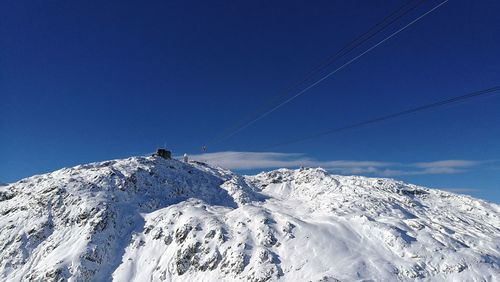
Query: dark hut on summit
166	154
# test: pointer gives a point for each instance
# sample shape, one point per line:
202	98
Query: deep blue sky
84	81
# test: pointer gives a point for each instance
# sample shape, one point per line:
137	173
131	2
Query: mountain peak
146	218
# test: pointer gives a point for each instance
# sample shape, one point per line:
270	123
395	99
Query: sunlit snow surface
150	219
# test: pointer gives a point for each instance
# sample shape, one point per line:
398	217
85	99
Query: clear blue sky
83	81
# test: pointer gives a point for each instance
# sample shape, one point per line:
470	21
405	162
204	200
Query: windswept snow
151	219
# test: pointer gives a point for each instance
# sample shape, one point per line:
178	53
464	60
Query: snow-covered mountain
151	219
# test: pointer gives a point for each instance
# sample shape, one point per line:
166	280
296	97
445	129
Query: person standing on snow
185	158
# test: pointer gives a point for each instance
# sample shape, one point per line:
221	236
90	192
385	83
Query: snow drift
151	219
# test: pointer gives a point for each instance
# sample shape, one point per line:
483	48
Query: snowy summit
153	219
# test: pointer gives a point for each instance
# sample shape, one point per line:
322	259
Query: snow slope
150	219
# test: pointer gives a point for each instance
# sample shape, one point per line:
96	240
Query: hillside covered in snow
151	219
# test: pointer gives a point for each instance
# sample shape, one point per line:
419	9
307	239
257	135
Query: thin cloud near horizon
460	190
267	160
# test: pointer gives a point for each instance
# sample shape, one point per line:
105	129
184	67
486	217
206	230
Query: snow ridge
151	219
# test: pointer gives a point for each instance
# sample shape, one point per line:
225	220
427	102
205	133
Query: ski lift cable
374	30
382	118
393	115
333	72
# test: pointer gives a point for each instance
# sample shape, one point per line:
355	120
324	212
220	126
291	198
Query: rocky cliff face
146	218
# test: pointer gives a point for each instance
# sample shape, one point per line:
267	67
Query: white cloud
268	160
251	160
460	190
399	172
447	164
255	160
